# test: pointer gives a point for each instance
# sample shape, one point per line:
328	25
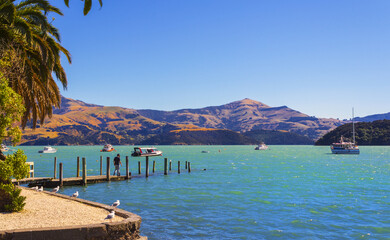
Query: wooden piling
154	166
55	167
84	171
170	165
186	165
127	167
108	169
147	167
61	175
178	167
165	166
78	167
139	167
189	167
101	165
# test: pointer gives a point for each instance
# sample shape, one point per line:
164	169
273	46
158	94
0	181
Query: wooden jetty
51	182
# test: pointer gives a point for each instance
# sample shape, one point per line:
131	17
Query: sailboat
346	147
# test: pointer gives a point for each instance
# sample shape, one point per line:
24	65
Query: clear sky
319	57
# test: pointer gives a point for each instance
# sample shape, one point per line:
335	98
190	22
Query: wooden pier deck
59	180
52	182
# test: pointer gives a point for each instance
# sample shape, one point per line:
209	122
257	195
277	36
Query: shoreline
47	214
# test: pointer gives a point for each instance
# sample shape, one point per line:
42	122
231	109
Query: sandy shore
45	210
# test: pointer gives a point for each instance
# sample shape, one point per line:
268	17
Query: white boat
261	146
48	149
107	148
146	152
346	147
4	148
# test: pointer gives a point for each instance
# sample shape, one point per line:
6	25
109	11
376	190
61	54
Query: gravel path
44	210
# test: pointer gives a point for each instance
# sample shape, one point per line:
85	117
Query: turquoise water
287	192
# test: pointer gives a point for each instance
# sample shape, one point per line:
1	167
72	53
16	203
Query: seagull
55	189
110	216
35	188
40	189
76	194
116	204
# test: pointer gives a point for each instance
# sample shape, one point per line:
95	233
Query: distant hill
246	115
199	137
367	133
374	117
79	123
273	137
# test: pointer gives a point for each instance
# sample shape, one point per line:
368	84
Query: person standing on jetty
117	162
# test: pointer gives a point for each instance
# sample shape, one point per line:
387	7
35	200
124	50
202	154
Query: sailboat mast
353	126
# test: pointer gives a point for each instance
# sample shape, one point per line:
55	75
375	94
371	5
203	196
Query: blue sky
318	57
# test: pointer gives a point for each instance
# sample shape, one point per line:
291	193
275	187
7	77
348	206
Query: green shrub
14	166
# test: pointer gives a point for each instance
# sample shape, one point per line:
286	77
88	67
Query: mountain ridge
83	123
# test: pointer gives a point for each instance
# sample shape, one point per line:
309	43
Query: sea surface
235	192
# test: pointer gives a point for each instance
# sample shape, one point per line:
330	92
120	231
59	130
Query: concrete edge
126	229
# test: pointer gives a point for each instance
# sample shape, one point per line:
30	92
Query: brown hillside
246	115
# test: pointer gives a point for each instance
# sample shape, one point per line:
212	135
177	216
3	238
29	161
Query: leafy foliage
30	53
87	5
13	166
367	133
11	110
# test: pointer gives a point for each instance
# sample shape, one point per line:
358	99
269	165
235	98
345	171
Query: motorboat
107	148
4	148
205	151
146	152
48	149
261	146
346	147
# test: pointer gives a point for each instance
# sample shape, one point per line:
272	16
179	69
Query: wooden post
189	167
101	165
186	164
78	167
61	175
170	165
154	166
84	171
139	167
147	167
108	169
165	166
127	167
178	167
55	167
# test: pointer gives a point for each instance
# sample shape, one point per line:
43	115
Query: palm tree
30	48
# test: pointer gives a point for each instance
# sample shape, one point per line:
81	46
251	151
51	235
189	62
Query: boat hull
345	151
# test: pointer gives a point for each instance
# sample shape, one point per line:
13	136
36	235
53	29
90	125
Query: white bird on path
116	204
110	216
35	188
40	189
76	194
55	189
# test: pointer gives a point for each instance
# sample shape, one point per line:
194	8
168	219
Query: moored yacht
346	147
